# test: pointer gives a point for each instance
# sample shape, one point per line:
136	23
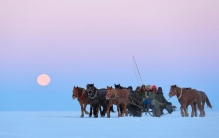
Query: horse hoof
108	116
90	115
86	112
81	116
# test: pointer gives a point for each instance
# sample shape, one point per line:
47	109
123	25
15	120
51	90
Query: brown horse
185	97
81	95
117	97
204	99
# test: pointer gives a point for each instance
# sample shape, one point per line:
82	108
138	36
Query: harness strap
180	94
82	95
94	95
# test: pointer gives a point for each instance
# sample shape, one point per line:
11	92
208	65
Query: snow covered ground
70	125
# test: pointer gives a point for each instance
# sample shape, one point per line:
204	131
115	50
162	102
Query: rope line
138	70
135	71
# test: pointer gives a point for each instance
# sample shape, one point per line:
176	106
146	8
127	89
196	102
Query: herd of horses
128	103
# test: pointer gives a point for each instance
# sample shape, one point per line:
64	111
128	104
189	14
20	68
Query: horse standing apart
186	97
82	96
117	97
204	99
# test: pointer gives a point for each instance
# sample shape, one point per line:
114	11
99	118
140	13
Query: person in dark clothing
164	103
139	93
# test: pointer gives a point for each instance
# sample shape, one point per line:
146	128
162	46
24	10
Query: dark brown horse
81	95
185	97
117	97
93	97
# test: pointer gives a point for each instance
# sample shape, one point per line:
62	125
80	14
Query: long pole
138	70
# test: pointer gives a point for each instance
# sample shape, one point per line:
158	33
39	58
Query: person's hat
154	87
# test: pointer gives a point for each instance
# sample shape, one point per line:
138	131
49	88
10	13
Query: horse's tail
208	102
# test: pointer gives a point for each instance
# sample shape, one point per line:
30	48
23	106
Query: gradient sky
77	42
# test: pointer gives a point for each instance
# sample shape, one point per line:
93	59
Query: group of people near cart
152	98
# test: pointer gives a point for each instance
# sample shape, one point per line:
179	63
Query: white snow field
70	125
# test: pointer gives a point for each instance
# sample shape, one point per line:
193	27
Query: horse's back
102	93
190	95
123	93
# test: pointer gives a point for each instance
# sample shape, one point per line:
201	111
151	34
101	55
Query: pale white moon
43	79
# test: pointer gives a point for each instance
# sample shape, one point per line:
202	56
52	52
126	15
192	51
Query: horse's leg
82	110
98	108
96	111
108	109
203	106
121	108
200	108
104	110
118	110
182	112
193	109
90	115
101	111
111	109
85	105
185	110
93	110
124	110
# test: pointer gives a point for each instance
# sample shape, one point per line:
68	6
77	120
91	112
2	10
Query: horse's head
172	90
117	86
108	92
91	90
75	92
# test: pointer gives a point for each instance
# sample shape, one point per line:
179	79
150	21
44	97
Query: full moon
43	79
